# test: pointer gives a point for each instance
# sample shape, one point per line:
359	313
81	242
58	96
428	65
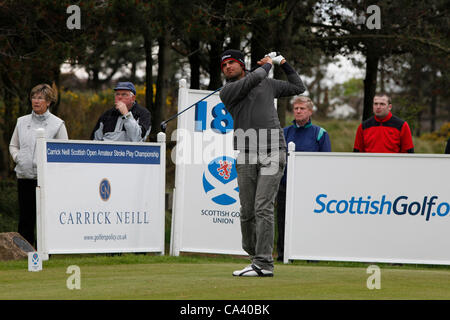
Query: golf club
164	123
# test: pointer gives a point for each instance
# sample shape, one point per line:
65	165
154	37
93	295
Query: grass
341	132
198	277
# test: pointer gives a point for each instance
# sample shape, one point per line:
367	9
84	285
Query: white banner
390	208
206	196
100	196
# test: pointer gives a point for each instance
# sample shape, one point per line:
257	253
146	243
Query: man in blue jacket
307	137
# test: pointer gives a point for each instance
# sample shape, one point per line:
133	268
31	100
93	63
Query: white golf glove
276	57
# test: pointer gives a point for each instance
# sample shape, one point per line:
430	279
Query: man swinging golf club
249	97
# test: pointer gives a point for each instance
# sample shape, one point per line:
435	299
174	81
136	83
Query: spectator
307	137
22	149
383	132
249	97
126	121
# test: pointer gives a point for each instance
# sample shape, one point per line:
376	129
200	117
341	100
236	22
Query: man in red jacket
383	132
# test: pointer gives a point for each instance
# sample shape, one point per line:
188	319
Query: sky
338	72
343	71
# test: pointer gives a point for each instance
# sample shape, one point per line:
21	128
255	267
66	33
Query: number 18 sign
222	121
206	191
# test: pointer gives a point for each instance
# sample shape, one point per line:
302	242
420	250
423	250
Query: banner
391	208
206	196
100	196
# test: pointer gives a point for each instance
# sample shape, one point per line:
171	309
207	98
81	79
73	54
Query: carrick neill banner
100	197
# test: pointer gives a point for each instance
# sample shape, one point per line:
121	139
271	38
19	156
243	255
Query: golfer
249	97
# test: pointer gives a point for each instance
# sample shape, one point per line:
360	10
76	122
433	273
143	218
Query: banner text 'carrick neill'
91	217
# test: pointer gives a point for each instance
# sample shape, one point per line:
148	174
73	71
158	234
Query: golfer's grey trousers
259	176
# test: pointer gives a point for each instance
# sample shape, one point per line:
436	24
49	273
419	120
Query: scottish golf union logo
105	189
35	259
220	181
34	262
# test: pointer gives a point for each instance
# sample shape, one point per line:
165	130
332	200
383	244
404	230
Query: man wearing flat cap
126	121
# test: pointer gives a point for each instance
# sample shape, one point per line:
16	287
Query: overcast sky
338	72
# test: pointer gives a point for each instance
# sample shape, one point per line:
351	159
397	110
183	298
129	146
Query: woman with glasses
23	151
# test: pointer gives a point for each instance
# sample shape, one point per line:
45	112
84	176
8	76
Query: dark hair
383	94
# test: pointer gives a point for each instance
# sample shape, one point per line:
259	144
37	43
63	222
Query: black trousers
27	209
281	214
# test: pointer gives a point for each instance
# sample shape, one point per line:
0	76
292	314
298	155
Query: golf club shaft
164	123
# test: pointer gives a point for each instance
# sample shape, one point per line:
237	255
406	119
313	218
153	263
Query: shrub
9	206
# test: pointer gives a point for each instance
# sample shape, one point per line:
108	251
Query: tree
422	83
151	21
404	28
34	42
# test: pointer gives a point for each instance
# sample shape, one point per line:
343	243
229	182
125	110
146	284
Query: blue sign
222	120
102	153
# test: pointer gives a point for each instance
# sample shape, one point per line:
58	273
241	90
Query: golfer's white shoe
252	271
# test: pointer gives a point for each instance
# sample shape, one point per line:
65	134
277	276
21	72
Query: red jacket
388	135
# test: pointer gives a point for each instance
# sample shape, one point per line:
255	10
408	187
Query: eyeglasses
123	94
38	98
